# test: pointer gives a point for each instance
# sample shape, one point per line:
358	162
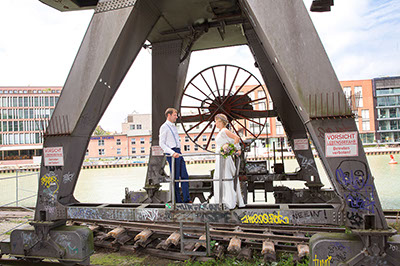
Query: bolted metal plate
70	243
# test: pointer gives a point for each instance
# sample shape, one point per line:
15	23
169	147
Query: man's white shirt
169	137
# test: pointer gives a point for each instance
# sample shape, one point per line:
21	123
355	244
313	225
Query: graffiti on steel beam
66	242
83	213
265	218
307	163
148	215
352	175
29	239
354	218
138	197
394	248
197	207
322	262
357	201
338	252
308	215
51	185
68	177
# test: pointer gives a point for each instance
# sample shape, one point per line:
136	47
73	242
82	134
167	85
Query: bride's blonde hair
222	118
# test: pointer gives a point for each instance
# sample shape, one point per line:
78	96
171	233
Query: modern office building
24	113
387	114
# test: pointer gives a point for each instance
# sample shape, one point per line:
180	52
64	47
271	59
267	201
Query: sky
38	45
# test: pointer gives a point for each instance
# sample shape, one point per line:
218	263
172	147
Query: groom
170	143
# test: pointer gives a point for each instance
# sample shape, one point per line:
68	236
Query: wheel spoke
187	131
189	117
223	91
249	119
195	97
237	133
203	130
252	101
192	107
201	91
216	83
233	82
241	96
201	74
236	92
209	139
249	110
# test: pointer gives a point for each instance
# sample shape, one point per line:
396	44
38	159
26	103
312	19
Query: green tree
99	131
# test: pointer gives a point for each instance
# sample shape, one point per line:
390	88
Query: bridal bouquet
227	150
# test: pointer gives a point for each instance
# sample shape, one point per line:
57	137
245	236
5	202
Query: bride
230	197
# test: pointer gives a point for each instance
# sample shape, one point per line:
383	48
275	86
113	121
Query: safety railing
19	190
220	179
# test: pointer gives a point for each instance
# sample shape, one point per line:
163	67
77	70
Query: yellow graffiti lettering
49	179
318	262
266	218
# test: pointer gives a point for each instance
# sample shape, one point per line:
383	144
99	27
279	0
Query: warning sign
300	144
157	151
341	144
53	156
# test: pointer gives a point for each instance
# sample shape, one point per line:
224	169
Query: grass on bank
124	259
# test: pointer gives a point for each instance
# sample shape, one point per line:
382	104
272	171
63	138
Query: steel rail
221	231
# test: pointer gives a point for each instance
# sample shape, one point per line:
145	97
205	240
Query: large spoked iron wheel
229	90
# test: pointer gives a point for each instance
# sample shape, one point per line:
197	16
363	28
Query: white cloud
39	44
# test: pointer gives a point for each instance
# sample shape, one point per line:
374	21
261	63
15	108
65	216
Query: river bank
96	163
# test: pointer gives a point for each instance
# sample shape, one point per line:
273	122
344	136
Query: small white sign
300	144
157	151
341	144
53	156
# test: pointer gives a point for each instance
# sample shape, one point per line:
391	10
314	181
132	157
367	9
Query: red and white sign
300	144
53	156
157	151
341	144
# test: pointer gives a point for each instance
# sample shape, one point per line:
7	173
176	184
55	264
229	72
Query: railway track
164	239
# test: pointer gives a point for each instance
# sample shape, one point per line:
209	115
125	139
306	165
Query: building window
101	142
118	141
204	138
213	146
347	92
365	125
365	119
186	139
133	141
141	140
358	96
87	153
139	126
101	152
133	150
118	151
213	138
186	148
196	147
142	150
279	128
132	127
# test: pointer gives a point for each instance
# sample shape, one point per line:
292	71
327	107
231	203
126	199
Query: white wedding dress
230	197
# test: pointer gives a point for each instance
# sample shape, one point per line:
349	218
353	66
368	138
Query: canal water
108	185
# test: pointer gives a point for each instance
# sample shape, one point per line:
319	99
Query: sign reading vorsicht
341	144
53	156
